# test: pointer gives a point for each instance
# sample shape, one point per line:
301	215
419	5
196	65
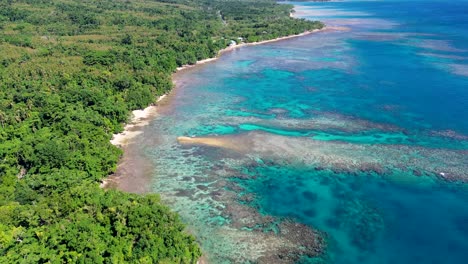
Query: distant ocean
358	135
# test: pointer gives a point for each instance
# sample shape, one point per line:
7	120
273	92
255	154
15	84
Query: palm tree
3	118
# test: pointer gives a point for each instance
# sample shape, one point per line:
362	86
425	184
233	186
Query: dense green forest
70	73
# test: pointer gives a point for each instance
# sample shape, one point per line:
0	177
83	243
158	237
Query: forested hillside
70	73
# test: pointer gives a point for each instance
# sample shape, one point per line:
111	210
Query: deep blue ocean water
360	133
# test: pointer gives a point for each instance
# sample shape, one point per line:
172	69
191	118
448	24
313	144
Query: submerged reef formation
206	194
346	157
214	181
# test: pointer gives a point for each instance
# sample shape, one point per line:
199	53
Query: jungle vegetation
70	73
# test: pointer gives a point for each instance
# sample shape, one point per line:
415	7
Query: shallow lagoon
356	138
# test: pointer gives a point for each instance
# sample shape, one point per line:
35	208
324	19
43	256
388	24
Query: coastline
126	177
141	118
234	47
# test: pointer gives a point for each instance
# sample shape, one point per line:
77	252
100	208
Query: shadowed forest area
70	73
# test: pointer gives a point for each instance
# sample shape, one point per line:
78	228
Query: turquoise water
345	146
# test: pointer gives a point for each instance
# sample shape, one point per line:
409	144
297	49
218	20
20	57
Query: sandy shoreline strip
139	118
